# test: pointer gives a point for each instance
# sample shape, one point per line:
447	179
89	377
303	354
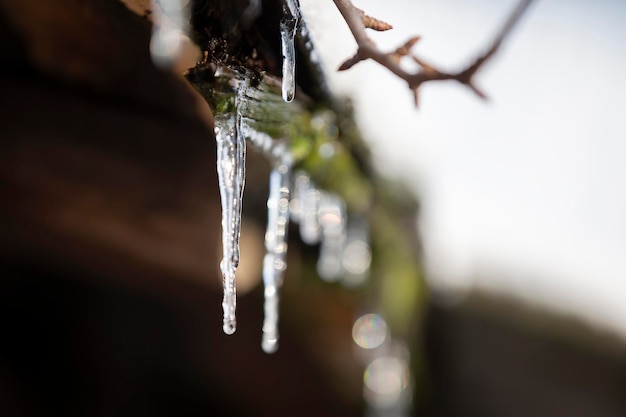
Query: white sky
525	194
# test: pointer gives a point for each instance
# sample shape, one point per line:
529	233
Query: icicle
332	219
305	208
322	217
300	184
231	153
261	141
278	210
169	17
241	181
357	254
275	261
288	28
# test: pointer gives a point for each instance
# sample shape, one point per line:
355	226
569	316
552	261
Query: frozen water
278	210
275	261
231	153
307	206
269	343
301	183
321	215
322	218
288	29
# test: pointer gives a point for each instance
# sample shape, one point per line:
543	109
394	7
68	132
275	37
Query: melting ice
321	215
278	211
288	28
275	261
306	206
231	155
322	218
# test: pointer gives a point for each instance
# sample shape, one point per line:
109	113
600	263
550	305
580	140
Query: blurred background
509	210
523	194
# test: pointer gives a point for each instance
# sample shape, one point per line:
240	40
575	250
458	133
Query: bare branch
350	62
405	50
358	22
372	23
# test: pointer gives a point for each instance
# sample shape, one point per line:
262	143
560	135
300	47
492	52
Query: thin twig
358	22
373	23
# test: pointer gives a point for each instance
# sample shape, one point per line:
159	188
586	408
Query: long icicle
275	261
231	153
278	213
288	29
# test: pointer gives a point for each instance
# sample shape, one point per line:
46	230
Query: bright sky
525	194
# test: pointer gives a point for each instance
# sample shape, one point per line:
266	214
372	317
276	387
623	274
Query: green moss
218	94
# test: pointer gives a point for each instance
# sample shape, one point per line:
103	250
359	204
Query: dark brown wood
103	153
